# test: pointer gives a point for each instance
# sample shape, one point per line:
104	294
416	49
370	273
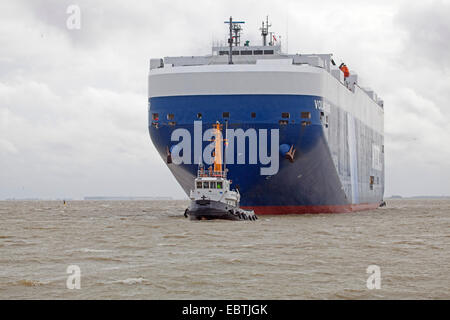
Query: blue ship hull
319	179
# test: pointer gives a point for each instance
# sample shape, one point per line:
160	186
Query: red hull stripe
312	209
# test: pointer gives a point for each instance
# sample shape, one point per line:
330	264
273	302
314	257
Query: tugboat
212	198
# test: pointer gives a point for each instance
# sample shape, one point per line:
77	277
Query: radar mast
265	31
234	27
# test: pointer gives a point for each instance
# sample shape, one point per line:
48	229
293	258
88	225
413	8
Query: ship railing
211	174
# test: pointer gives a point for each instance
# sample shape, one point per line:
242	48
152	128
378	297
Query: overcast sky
73	103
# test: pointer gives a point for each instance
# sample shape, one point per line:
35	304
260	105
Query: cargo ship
304	135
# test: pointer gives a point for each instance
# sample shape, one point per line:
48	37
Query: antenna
236	28
237	34
265	30
287	32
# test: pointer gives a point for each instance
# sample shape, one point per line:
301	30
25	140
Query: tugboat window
205	185
199	184
253	114
219	185
285	114
155	116
199	115
212	184
170	116
226	114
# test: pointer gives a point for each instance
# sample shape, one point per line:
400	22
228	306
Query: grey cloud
427	28
73	104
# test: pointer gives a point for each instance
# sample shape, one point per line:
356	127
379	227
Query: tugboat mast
218	148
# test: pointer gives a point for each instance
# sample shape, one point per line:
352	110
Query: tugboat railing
211	174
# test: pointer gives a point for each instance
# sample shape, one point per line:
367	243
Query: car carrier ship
328	130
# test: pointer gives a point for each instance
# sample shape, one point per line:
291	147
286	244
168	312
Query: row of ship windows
284	115
246	52
226	115
209	185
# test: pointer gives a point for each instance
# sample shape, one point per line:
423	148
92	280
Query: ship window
268	51
199	115
256	52
219	184
155	116
235	53
253	114
199	184
172	123
223	53
205	184
246	53
170	116
283	122
212	184
306	115
372	180
285	115
226	115
306	123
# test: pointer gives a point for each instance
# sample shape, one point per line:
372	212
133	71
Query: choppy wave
30	283
131	281
87	250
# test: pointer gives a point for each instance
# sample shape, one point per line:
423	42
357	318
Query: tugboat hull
210	210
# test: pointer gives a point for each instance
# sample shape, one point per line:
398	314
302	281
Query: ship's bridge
259	51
